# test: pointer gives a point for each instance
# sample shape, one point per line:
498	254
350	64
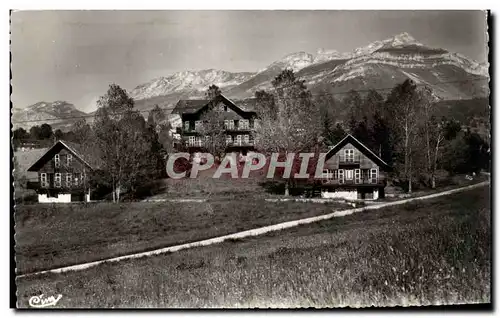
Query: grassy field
49	236
430	252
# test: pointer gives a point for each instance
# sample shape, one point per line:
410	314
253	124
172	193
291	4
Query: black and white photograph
241	159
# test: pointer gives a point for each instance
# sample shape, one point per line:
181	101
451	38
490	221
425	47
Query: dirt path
254	232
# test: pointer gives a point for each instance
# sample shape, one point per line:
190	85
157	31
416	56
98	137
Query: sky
75	55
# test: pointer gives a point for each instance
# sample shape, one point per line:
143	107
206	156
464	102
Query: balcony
239	143
35	185
327	179
238	128
195	143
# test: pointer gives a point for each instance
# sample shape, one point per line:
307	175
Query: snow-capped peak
188	81
323	55
294	61
402	39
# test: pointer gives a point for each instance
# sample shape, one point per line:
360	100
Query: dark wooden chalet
239	122
62	174
353	171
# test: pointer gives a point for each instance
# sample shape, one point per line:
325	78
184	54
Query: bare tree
294	125
122	139
212	132
406	108
434	132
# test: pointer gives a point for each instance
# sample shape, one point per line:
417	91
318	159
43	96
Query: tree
335	136
329	111
82	132
156	116
45	131
456	155
212	92
295	127
361	131
116	100
382	136
265	103
353	106
35	132
212	131
451	129
20	134
125	147
406	103
432	131
58	134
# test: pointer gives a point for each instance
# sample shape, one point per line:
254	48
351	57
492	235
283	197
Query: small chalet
239	122
352	171
62	174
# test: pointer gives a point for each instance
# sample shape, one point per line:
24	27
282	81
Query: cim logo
41	302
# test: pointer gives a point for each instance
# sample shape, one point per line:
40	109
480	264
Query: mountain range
379	65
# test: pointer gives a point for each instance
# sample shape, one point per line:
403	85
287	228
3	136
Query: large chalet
352	171
62	174
239	122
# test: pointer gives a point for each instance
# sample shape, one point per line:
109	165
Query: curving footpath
253	232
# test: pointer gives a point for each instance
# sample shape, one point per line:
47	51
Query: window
57	161
191	140
238	140
246	139
341	175
69	159
77	179
357	175
229	140
186	125
243	124
225	108
43	180
349	155
373	175
335	174
329	174
57	180
349	174
229	124
197	125
68	179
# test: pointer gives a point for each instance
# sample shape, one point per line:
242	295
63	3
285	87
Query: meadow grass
51	235
423	253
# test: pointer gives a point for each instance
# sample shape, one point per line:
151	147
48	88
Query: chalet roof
361	147
191	106
89	159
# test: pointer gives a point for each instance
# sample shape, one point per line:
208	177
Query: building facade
231	123
352	171
62	175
